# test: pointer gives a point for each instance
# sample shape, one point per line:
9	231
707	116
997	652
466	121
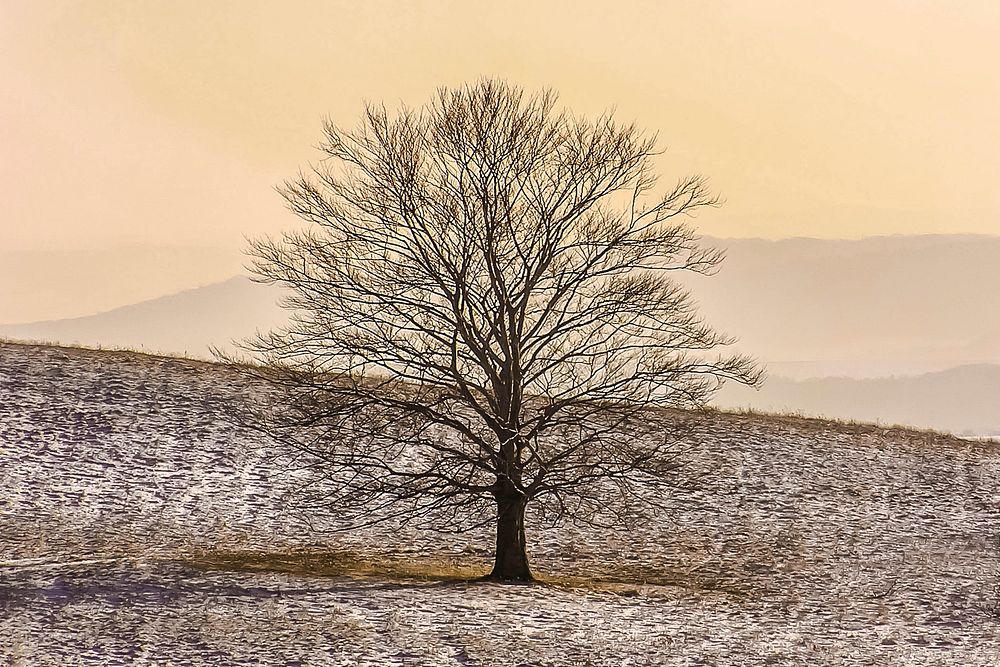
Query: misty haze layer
808	308
866	308
962	400
188	323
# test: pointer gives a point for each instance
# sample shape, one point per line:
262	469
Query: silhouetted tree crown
485	307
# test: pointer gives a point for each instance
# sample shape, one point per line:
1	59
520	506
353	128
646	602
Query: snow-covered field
804	543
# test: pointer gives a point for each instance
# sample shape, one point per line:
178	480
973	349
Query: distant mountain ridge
964	400
871	308
185	323
59	283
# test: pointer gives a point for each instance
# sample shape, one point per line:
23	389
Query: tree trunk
511	562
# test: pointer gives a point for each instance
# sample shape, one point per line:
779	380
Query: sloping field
138	527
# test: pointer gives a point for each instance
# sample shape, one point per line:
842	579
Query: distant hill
963	400
48	284
184	323
881	306
871	307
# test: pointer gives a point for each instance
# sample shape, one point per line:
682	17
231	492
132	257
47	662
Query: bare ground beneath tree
138	527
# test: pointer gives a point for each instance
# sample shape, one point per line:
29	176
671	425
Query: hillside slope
798	542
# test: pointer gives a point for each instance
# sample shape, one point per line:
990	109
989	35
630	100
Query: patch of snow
802	542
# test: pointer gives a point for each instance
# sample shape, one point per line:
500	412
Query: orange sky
171	122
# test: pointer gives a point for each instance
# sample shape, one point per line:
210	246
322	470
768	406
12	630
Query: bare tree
484	312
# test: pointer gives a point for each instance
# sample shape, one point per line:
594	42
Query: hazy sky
170	122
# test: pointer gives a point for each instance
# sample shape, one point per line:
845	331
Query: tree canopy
485	306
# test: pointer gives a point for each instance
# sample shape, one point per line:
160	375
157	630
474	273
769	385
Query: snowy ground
806	543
